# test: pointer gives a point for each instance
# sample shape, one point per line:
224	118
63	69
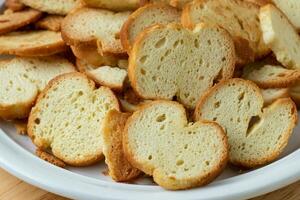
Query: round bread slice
271	95
114	5
280	35
21	79
32	43
67	119
159	141
13	21
270	76
60	7
145	17
256	135
169	60
113	130
82	27
238	17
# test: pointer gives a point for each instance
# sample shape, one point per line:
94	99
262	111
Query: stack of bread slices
125	81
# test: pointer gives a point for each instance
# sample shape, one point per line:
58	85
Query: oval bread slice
256	135
32	43
67	119
21	79
168	61
145	17
159	141
114	5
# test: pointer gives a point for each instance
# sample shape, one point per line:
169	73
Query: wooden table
12	188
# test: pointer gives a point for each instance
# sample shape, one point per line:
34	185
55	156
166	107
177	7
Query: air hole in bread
160	43
218	77
241	96
143	72
223	59
253	121
281	75
209	42
179	162
217	104
207	163
162	127
117	36
37	121
143	59
161	118
196	43
185	146
150	157
175	45
271	74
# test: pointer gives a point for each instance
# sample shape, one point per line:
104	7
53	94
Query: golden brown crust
155	172
260	2
14	5
119	168
50	22
16	20
49	158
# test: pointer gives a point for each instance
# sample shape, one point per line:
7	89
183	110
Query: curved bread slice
14	5
256	135
238	17
291	9
271	95
113	128
270	76
90	54
16	20
145	17
112	77
49	158
50	22
67	119
159	141
168	61
294	92
280	36
21	79
82	27
32	43
60	7
115	5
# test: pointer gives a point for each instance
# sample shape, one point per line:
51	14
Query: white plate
17	157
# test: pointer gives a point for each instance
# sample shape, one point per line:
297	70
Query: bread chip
50	158
159	141
32	43
114	5
67	118
16	20
256	135
238	17
82	27
14	5
168	61
50	22
118	167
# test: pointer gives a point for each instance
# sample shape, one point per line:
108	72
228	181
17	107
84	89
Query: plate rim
21	163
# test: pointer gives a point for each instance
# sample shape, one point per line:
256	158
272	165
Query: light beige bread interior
90	54
13	21
119	168
238	17
112	77
256	134
270	76
159	141
271	95
82	27
60	7
21	79
50	22
32	43
67	119
291	9
169	60
114	5
145	17
280	36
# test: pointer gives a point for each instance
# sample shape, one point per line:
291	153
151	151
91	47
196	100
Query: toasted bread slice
270	76
238	17
144	17
112	77
49	158
32	43
90	55
23	78
50	22
16	20
67	119
291	9
256	135
280	36
199	150
114	5
60	7
113	128
271	95
168	61
82	27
